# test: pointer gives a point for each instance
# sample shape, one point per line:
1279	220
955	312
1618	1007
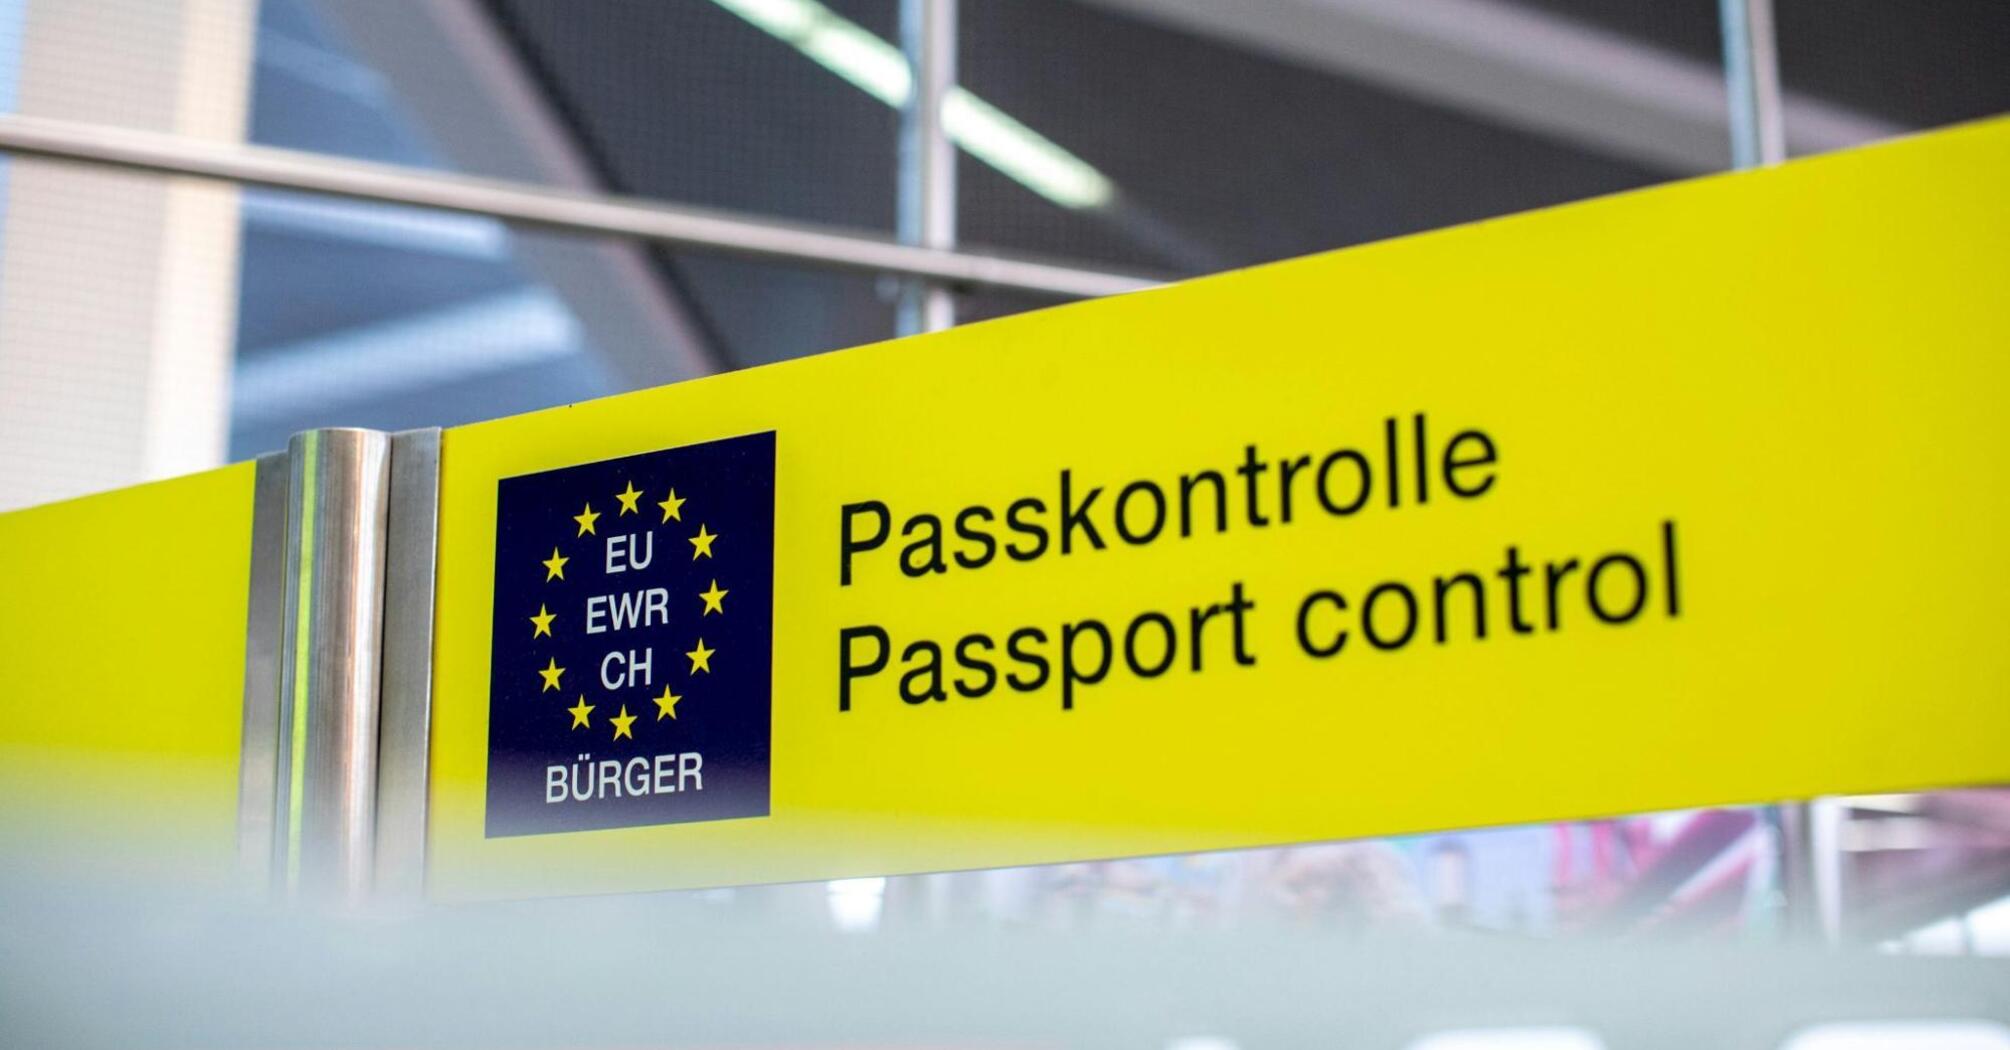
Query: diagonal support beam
1520	67
470	89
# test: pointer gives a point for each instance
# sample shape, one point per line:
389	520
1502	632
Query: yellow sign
122	637
1687	496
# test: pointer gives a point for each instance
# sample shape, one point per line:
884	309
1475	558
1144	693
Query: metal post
927	190
1825	817
405	719
1752	79
334	604
1758	139
259	761
338	666
1808	862
1790	829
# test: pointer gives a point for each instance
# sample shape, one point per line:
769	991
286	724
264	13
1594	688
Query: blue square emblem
631	667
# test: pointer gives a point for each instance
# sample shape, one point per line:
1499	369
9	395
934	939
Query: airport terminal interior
201	256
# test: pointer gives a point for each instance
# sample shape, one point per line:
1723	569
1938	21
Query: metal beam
927	190
1520	67
382	225
558	209
1752	79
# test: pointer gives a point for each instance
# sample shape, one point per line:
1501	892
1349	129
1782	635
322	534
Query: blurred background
1664	931
152	324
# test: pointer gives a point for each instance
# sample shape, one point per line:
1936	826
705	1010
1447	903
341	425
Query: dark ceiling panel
1225	157
684	101
1922	63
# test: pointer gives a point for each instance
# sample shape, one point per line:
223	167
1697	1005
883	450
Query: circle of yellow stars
628	501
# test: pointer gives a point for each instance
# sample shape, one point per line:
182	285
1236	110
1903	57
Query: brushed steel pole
336	538
260	765
405	713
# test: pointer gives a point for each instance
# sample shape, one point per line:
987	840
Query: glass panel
359	314
699	102
762	312
355	314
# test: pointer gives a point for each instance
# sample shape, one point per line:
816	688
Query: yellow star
673	508
621	723
586	518
543	621
550	674
701	658
628	496
714	600
666	704
579	712
554	567
701	544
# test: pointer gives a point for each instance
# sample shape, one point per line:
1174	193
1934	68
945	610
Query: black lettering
849	545
1249	469
1668	564
1362	472
1071	672
1189	482
1197	618
1423	456
987	547
1454	464
1409	616
1305	641
1015	520
929	545
1555	574
1077	517
1237	607
975	663
848	669
1443	585
1591	592
1389	460
1286	470
1018	653
1512	572
931	670
1165	626
1123	515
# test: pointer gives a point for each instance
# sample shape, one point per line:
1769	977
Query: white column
118	291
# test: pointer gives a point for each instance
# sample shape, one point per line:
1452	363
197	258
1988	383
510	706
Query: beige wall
118	291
